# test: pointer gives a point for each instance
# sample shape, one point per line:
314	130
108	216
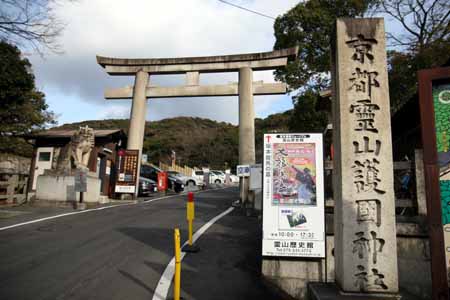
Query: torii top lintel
201	64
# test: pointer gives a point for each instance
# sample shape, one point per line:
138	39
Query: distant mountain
196	141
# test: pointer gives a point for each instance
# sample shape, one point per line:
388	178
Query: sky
74	83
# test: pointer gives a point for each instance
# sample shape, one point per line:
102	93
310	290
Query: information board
255	177
243	170
441	104
127	171
80	181
293	196
434	100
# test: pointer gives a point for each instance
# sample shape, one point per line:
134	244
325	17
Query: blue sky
74	83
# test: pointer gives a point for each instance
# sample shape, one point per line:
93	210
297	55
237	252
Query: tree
423	42
307	118
310	25
23	108
30	23
424	22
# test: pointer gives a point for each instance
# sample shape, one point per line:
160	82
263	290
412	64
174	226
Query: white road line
162	288
61	215
92	209
78	212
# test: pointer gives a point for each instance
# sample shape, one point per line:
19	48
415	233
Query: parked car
234	178
217	176
151	172
198	175
146	186
187	180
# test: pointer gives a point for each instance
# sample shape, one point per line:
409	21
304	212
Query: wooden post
420	183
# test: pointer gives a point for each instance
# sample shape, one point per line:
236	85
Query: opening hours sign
293	196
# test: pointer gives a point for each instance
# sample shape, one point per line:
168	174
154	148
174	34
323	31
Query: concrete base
62	188
292	275
81	206
329	291
190	249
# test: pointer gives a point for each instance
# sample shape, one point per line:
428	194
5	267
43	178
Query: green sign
441	102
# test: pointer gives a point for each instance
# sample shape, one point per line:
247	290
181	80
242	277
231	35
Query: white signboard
293	196
255	177
125	188
243	170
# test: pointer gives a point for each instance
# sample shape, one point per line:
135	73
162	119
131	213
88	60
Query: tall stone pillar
365	233
138	111
137	117
246	126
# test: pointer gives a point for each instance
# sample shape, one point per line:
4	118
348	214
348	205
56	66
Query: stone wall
13	164
62	189
14	172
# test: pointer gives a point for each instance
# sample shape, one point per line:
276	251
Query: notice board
293	195
127	171
434	100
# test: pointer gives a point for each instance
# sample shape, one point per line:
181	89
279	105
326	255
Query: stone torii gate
245	64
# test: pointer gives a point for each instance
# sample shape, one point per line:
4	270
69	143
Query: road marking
78	212
162	288
92	209
61	215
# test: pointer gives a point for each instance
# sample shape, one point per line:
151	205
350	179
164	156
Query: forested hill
196	141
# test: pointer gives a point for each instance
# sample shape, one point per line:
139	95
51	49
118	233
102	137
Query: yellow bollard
190	215
177	276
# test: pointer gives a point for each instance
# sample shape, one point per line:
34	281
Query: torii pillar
245	64
138	112
246	130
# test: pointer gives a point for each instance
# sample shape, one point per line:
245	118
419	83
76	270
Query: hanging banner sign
127	171
293	196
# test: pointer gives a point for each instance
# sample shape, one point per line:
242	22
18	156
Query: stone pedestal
365	233
329	291
62	188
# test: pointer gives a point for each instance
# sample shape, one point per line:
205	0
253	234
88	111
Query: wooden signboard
127	171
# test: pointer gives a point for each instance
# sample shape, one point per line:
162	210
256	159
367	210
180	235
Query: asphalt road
121	252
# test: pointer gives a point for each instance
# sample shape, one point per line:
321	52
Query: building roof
67	133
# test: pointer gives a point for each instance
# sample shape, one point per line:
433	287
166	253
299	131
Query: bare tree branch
423	21
31	24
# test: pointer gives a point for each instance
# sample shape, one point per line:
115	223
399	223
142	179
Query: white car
187	180
198	176
234	178
214	176
217	176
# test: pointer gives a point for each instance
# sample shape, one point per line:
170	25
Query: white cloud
144	28
115	111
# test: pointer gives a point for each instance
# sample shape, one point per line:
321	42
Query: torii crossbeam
245	64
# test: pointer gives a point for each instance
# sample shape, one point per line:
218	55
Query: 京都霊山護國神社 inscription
365	235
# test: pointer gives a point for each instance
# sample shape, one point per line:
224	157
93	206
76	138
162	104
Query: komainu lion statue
82	142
